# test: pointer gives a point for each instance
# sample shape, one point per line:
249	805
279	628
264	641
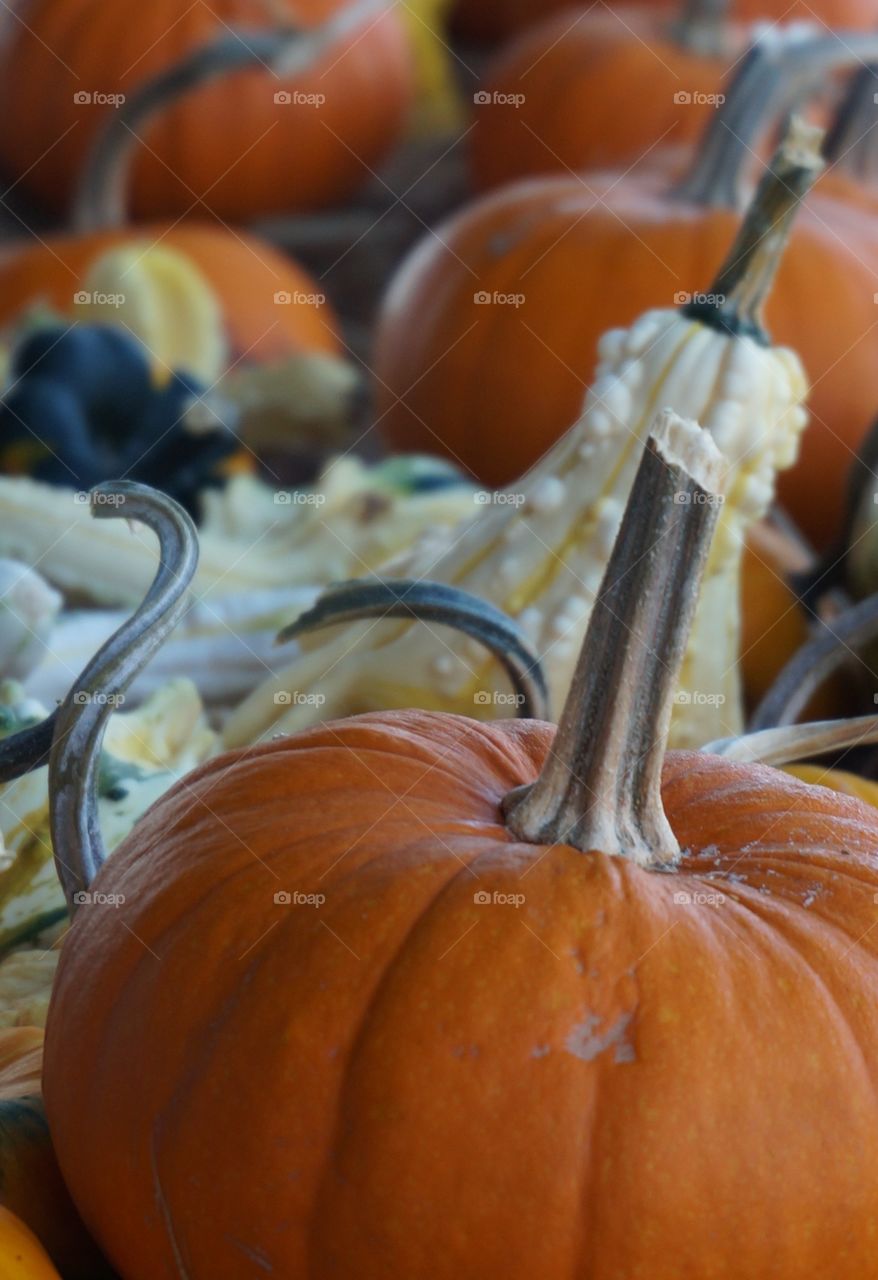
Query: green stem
600	787
701	27
736	297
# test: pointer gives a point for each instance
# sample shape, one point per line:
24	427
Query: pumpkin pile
438	640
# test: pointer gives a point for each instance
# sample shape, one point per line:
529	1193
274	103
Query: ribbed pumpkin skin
229	142
494	385
496	19
304	1091
244	272
31	1188
578	109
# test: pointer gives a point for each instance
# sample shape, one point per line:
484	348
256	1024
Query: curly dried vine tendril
101	200
77	727
440	603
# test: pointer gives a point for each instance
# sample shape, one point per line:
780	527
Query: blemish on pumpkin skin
255	1255
586	1042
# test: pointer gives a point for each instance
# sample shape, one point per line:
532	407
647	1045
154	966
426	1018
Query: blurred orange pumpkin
598	89
488	20
252	143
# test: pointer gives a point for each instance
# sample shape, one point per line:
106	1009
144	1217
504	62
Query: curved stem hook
82	717
441	603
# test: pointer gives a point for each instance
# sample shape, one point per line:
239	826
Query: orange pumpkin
31	1188
488	334
496	19
598	90
232	148
246	274
466	959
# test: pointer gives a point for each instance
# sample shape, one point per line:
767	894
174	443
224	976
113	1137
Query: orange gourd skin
244	272
575	108
228	143
839	780
32	1191
622	1047
494	385
22	1257
497	19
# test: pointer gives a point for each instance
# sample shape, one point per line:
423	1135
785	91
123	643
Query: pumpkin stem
441	603
600	787
82	717
701	27
781	69
837	640
101	201
788	744
850	141
734	300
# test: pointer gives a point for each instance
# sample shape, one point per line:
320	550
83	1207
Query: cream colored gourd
538	551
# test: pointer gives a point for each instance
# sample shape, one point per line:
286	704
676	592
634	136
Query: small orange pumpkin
32	1191
255	143
22	1257
599	89
454	949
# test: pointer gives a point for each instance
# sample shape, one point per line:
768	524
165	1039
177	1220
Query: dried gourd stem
814	662
788	744
101	201
779	71
82	717
440	603
600	787
702	27
851	143
734	300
